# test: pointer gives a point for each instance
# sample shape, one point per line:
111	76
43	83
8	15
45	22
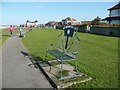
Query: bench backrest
69	32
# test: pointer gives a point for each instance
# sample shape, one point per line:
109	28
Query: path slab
53	71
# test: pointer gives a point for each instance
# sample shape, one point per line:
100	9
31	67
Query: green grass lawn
98	55
6	34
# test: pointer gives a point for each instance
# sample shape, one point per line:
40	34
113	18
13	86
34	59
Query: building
70	21
114	15
4	26
86	22
32	23
50	24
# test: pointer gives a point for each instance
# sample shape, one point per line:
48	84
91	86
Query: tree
96	21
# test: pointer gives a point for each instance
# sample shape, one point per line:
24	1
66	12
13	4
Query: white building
69	20
32	23
114	15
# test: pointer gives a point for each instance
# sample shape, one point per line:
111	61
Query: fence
109	31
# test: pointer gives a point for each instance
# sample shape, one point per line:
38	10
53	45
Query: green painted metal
66	48
59	55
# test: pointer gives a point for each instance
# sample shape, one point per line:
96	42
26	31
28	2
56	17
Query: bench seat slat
59	55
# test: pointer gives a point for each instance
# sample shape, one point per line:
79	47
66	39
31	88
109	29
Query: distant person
88	28
54	26
11	29
20	30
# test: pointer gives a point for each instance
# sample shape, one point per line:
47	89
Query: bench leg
61	68
50	69
45	56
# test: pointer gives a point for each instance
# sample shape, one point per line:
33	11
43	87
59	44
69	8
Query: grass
98	55
64	73
6	34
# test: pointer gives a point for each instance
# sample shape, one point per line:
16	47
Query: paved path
16	72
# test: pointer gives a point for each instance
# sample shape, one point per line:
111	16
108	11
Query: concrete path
16	72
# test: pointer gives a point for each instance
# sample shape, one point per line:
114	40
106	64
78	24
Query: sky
19	12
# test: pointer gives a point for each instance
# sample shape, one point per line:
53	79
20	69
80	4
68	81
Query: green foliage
98	55
96	21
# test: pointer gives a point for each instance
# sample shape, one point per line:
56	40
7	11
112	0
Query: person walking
88	28
20	30
11	29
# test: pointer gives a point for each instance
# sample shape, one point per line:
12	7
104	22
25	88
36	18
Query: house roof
86	22
31	21
115	7
69	19
112	18
75	23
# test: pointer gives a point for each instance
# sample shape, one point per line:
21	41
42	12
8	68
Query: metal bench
66	49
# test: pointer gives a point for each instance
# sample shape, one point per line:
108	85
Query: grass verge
97	57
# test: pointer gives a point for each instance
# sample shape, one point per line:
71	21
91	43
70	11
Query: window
115	12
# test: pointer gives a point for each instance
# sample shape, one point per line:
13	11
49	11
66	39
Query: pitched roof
86	22
115	7
31	21
69	19
75	23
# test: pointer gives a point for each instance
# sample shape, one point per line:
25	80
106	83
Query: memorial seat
67	47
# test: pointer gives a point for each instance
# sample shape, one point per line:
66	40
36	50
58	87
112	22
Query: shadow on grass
6	35
37	58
